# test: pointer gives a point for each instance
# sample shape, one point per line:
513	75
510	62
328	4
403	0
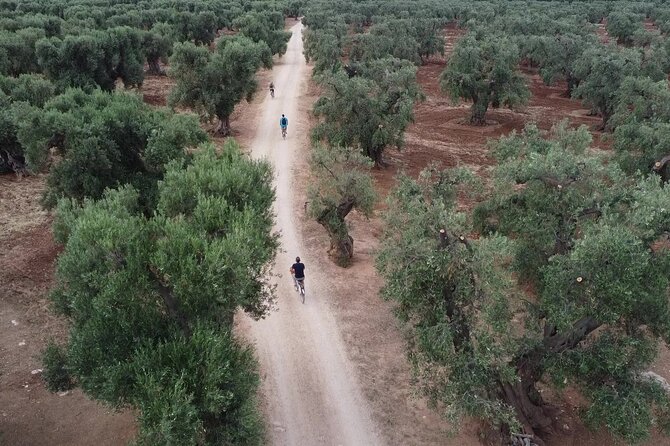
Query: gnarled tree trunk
662	167
155	67
478	111
375	154
341	243
522	395
223	127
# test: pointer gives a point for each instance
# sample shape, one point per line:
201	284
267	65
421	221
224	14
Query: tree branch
560	342
170	302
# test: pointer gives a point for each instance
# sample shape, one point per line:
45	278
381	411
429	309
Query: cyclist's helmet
297	259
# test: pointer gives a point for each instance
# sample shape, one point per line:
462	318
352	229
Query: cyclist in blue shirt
283	123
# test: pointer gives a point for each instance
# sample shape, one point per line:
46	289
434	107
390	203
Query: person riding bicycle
283	123
272	89
298	272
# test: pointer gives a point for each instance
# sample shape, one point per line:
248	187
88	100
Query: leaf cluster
151	299
95	141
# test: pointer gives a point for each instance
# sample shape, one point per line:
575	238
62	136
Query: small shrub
56	376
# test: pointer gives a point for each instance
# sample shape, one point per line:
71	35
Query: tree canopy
151	299
213	83
593	320
102	141
601	70
264	27
94	60
370	111
484	70
343	184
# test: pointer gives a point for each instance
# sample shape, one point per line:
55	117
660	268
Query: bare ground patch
29	414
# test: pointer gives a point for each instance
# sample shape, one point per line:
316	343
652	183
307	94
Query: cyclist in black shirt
298	272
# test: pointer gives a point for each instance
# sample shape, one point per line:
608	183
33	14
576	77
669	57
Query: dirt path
309	386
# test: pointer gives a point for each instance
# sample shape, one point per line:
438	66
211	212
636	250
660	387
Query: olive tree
95	59
157	45
623	25
641	123
428	34
214	82
266	27
324	49
484	70
371	111
342	183
101	141
324	46
15	95
482	339
17	51
601	70
556	56
151	299
393	38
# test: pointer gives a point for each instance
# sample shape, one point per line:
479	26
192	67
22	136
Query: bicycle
272	92
299	285
283	132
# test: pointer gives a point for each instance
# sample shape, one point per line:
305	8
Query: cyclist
272	89
283	123
298	272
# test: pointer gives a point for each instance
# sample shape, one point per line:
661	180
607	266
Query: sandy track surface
311	394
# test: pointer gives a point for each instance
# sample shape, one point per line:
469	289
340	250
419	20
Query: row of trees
151	298
559	276
590	242
95	46
365	107
164	236
210	81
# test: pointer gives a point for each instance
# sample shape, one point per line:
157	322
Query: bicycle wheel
302	293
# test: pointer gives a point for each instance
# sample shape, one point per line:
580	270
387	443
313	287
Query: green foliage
202	28
56	376
30	88
175	397
343	183
15	95
601	71
103	141
428	34
392	38
324	47
641	123
369	112
623	25
157	44
17	51
266	27
213	83
151	299
543	190
10	149
556	56
95	59
591	239
485	72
